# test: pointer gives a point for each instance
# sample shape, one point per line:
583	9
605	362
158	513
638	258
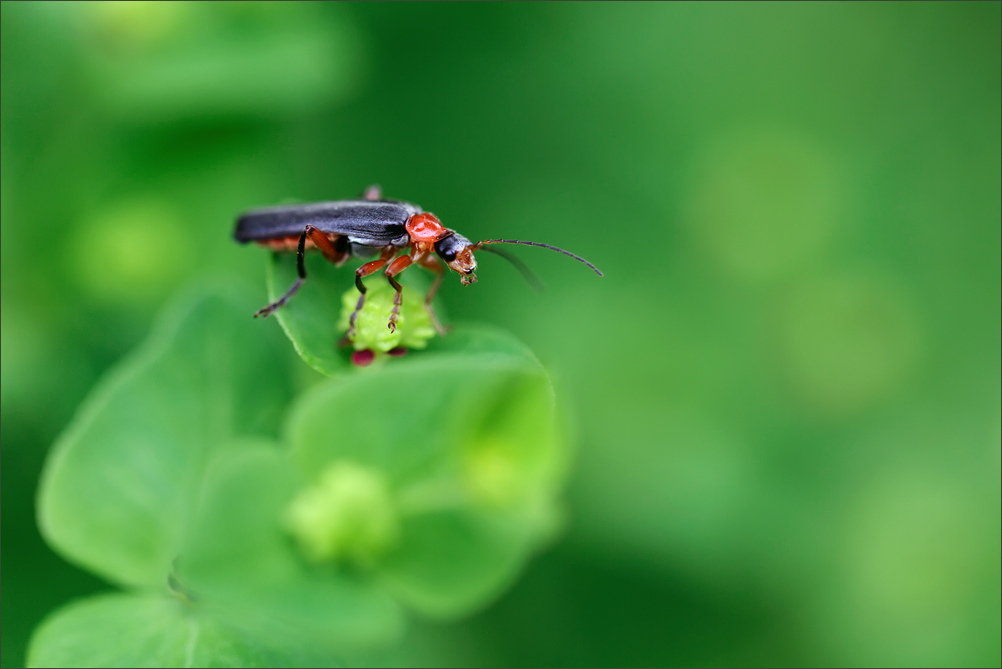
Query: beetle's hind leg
264	312
337	252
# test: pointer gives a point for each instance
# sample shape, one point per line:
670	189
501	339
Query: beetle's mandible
372	226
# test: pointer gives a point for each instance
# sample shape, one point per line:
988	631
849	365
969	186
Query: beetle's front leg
431	262
396	267
365	270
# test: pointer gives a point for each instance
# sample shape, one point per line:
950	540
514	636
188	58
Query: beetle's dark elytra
362	221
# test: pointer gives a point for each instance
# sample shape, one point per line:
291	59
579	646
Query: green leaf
119	630
122	481
454	561
310	318
316	317
467	438
414	411
240	559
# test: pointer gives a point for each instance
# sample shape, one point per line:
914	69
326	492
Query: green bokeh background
786	388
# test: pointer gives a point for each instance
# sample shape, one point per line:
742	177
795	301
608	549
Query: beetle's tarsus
431	263
264	312
280	302
434	320
397	301
396	267
354	316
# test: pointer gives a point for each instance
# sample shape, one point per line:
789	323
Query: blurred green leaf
466	436
119	630
124	477
453	561
239	557
412	413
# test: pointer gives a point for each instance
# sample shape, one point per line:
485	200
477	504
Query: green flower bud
349	515
414	326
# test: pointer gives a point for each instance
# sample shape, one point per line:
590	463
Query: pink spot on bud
363	358
398	351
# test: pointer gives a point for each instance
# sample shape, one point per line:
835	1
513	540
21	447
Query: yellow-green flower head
348	515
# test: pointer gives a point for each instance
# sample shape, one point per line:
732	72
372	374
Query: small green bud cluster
414	325
348	515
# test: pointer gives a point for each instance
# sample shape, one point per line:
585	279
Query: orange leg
431	262
331	252
365	270
396	267
336	251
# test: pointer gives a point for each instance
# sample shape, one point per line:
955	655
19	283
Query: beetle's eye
447	248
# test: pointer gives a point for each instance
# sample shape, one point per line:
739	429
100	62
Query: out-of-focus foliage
121	484
169	483
786	388
147	631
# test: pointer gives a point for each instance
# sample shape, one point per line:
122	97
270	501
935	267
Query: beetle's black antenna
545	246
523	269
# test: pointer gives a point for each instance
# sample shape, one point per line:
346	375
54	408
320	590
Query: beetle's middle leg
337	252
365	270
396	267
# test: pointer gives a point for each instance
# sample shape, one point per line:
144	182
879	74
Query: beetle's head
457	252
